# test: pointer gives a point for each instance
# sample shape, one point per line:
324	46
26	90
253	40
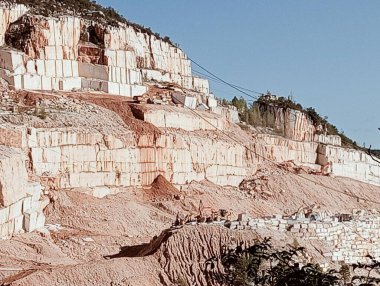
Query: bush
261	265
263	112
41	113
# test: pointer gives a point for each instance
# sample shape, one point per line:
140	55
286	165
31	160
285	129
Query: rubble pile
256	186
158	98
162	190
157	94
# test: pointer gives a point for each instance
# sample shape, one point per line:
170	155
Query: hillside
129	172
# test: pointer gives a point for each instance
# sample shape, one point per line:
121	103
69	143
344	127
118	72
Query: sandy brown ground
95	228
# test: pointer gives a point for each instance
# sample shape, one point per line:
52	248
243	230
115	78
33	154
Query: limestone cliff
68	52
83	146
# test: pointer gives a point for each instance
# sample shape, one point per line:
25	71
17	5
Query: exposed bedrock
69	53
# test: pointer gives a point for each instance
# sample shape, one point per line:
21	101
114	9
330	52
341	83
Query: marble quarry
69	53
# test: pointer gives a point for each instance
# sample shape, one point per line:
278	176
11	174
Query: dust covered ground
118	240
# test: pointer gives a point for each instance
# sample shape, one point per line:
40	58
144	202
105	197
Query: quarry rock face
183	148
295	124
350	163
9	15
84	140
12	164
69	53
84	160
21	206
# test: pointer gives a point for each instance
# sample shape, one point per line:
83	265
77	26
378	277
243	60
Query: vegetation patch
262	265
263	112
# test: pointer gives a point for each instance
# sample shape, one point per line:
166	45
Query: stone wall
12	165
280	149
335	140
182	118
345	162
351	241
229	113
24	215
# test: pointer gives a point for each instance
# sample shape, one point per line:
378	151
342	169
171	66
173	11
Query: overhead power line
278	165
240	89
218	81
227	83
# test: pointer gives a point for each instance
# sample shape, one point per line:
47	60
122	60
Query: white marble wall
350	163
180	158
21	206
175	117
54	59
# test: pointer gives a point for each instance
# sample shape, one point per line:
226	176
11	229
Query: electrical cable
280	166
241	90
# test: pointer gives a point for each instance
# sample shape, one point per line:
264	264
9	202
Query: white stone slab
15	210
32	82
31	67
4	215
19	224
7	229
12	165
35	191
30	221
69	84
27	203
67	68
40	221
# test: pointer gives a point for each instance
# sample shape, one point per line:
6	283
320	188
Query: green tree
240	104
259	265
345	273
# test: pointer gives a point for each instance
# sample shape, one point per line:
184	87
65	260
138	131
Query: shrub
41	113
261	265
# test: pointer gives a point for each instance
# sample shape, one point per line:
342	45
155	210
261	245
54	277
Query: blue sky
324	53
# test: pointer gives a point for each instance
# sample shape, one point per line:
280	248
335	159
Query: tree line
263	111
